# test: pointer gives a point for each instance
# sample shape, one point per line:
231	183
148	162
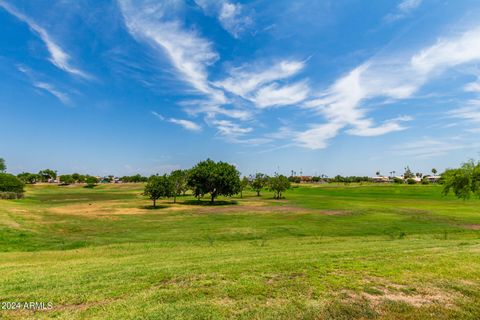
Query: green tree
411	181
259	181
408	173
9	184
48	174
434	171
66	179
136	178
91	181
278	184
215	178
158	187
464	181
398	180
3	166
78	178
245	183
29	178
178	179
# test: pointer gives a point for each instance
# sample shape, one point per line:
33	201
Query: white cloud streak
429	148
274	95
58	56
63	97
317	136
186	124
189	53
342	104
245	80
470	112
394	79
473	87
232	16
403	9
230	129
51	89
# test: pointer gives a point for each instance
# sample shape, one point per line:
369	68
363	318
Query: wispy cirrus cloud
428	147
274	95
45	86
186	124
58	57
247	79
472	87
470	112
150	22
253	88
318	135
63	97
232	16
403	10
231	129
393	78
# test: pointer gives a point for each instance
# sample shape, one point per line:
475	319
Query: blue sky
322	87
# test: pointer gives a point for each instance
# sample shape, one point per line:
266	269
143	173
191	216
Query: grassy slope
329	251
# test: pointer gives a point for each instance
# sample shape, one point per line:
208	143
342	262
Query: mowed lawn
324	252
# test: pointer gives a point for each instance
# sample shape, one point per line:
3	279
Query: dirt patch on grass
97	209
115	207
386	291
472	226
11	224
416	299
335	212
247	209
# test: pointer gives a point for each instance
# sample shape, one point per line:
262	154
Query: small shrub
398	180
425	181
10	195
91	181
411	181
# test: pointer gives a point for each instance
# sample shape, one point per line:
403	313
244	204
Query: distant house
305	179
380	179
433	179
417	179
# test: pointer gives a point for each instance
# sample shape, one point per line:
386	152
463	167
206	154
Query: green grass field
325	252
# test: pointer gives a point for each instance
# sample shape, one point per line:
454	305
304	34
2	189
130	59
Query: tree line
223	179
212	178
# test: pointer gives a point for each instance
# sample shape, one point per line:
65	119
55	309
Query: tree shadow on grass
158	207
209	203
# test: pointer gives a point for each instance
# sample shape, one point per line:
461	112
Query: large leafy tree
91	181
3	166
278	184
47	174
11	184
259	181
408	173
79	178
66	179
158	187
215	178
463	181
29	178
179	181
